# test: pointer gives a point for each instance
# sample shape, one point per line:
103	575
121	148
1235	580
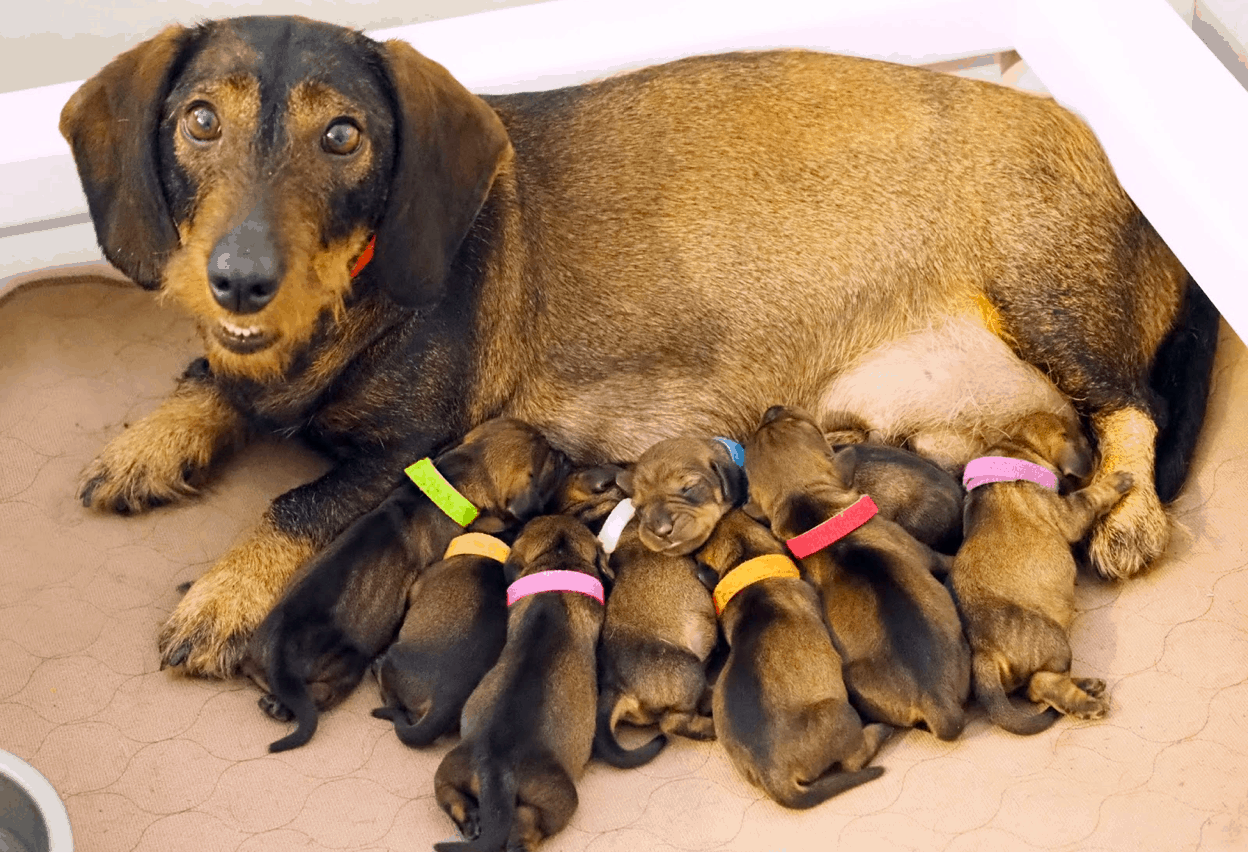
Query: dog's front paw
137	472
208	631
1131	536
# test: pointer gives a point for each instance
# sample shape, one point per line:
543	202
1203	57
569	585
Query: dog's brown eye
201	123
341	137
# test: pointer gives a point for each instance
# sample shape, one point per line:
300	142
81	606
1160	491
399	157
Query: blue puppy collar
736	451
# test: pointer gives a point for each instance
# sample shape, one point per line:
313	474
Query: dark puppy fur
456	623
453	632
780	705
681	488
906	661
914	492
528	728
244	165
1014	579
659	630
343	607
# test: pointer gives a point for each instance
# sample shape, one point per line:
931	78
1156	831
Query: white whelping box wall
1172	119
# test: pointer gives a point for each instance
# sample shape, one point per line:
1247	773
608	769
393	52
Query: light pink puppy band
555	581
998	469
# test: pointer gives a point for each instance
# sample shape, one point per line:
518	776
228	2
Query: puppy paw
207	633
1091	686
1122	481
1131	536
1088	708
274	708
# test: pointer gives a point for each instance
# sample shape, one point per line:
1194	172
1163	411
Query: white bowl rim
55	817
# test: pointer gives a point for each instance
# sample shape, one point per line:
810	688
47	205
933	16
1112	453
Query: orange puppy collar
477	544
752	571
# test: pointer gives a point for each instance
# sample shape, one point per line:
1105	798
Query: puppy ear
543	488
708	576
1076	459
732	481
112	123
624	480
754	510
845	464
450	146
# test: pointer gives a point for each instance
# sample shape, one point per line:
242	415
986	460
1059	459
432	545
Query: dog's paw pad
1095	687
274	708
1130	537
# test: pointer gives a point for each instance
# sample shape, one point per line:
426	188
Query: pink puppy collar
837	527
555	581
999	469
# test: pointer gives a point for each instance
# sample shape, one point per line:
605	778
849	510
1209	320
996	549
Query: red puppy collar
838	526
365	257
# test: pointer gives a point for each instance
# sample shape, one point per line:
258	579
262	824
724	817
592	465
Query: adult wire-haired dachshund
378	260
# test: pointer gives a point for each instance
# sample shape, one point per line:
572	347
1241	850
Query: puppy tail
991	694
1181	378
291	691
437	721
609	749
795	795
496	814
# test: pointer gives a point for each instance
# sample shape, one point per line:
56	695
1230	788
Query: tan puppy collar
478	544
752	571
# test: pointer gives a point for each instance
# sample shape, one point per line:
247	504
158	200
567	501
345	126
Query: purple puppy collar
999	469
555	581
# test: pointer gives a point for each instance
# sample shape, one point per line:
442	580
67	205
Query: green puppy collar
443	494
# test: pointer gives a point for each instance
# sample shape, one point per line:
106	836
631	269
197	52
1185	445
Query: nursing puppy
947	391
780	705
528	728
658	632
344	606
906	661
1014	578
681	487
590	493
453	632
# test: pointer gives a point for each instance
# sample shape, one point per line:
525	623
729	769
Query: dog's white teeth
239	330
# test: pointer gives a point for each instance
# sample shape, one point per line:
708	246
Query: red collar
838	526
365	257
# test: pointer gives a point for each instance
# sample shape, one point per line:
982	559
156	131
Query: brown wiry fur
659	253
1014	579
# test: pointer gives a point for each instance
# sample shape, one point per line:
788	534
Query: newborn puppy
528	728
659	631
906	661
344	606
780	706
916	493
1014	577
681	487
590	494
453	633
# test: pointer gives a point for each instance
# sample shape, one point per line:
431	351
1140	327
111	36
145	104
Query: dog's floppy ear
624	480
732	482
449	147
111	124
754	510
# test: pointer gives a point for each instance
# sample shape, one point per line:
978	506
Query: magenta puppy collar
555	581
999	469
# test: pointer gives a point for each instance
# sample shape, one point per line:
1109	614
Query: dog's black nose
243	272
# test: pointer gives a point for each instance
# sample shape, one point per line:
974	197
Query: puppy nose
660	525
243	272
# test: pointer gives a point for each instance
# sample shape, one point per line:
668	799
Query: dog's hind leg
166	455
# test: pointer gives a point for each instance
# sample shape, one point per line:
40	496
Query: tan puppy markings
681	488
208	630
1014	578
1137	530
167	454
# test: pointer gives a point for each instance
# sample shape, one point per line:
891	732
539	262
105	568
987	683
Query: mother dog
672	250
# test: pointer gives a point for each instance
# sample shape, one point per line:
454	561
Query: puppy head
737	538
244	165
590	494
1055	441
681	488
788	456
507	469
555	542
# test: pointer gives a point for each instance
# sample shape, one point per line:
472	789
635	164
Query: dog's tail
291	690
496	814
1181	376
608	748
435	722
793	794
991	694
